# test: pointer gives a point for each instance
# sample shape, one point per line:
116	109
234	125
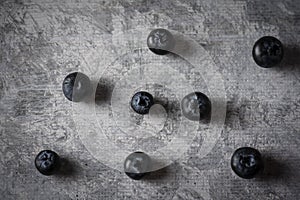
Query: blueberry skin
141	102
47	162
76	86
137	165
267	52
246	162
160	41
196	106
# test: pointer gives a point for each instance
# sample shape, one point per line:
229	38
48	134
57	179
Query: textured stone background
42	41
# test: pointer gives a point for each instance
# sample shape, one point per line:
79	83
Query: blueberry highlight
246	162
47	162
137	165
141	102
196	106
160	41
267	52
76	86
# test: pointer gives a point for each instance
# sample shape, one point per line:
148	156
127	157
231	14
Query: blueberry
137	165
76	86
196	106
267	52
141	102
160	41
246	162
47	162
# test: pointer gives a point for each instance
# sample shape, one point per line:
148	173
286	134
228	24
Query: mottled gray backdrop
42	41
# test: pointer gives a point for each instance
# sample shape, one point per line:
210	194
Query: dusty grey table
42	41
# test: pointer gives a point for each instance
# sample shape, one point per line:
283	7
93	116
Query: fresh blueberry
141	102
160	41
76	86
137	165
47	162
196	106
246	162
267	52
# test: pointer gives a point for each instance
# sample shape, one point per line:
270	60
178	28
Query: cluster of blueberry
246	162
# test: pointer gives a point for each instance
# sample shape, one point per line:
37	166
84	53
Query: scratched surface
42	41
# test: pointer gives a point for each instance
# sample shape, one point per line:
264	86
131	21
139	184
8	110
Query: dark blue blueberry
76	86
160	41
267	52
137	165
246	162
47	162
196	106
141	102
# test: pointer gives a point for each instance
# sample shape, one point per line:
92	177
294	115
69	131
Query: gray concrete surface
42	41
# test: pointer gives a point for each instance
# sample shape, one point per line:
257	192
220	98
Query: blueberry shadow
291	56
290	64
161	174
103	92
274	170
233	113
67	168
